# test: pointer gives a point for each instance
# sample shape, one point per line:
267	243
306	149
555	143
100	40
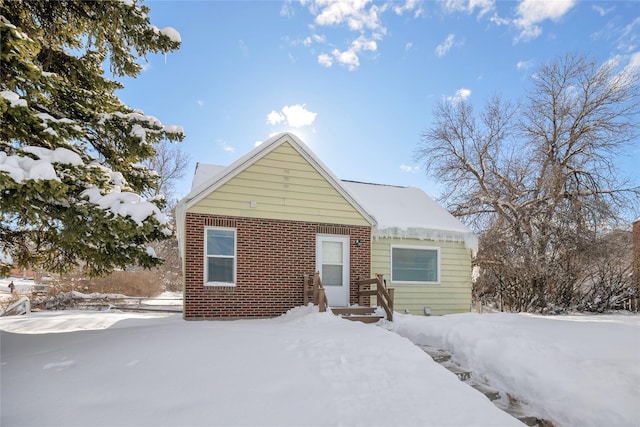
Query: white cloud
352	12
500	21
469	6
273	118
325	59
628	39
409	169
446	45
633	66
298	115
348	58
358	16
295	116
243	48
408	6
362	43
318	38
461	95
524	65
531	13
635	60
225	146
286	9
602	11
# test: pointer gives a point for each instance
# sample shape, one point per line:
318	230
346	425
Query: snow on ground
21	286
575	370
313	369
26	286
165	298
302	369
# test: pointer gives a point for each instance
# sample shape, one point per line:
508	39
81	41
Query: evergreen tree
71	153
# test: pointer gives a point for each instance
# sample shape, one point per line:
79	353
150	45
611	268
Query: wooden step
357	313
355	310
364	319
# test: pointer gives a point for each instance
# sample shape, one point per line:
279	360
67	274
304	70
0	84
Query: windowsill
220	285
416	283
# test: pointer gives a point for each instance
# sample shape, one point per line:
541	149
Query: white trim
344	292
416	247
206	257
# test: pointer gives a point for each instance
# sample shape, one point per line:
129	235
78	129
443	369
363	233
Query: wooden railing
314	292
383	294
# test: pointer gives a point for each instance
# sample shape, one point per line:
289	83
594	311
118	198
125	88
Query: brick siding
272	257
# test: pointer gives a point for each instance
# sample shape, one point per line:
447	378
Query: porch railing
314	292
384	295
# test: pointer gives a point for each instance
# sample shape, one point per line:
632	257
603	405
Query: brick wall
272	257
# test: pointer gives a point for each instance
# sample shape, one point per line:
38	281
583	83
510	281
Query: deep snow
312	369
575	370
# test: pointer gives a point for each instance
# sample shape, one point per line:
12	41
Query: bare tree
538	178
605	280
170	164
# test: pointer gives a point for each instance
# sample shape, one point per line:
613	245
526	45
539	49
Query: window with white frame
220	257
415	264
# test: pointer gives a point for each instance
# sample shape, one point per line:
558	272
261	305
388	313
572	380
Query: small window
220	257
415	264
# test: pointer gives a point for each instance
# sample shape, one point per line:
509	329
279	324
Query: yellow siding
281	185
451	295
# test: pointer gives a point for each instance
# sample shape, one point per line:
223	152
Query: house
249	232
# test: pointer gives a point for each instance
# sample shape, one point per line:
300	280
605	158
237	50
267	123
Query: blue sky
357	81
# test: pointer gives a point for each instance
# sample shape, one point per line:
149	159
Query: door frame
343	292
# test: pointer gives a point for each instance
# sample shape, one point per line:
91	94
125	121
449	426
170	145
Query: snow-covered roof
408	212
204	172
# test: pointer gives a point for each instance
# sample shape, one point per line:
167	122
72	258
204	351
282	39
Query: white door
332	261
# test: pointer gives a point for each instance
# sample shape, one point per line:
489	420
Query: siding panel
451	295
282	185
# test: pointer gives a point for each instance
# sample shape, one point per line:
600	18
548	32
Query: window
415	264
332	263
220	257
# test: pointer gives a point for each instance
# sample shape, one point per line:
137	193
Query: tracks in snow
505	401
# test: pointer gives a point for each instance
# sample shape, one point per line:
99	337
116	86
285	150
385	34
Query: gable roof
393	211
208	178
220	175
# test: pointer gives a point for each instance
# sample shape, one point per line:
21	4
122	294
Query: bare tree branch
540	176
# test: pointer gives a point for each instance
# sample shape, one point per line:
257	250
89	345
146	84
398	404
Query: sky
109	368
357	81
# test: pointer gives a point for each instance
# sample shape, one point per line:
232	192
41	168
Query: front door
332	261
